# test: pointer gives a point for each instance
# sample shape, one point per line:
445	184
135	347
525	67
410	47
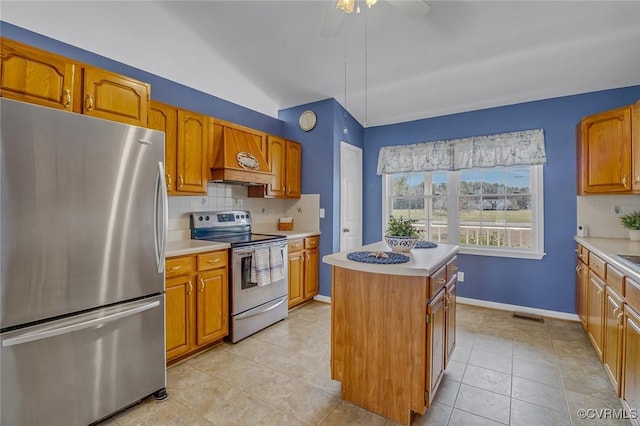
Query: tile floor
503	371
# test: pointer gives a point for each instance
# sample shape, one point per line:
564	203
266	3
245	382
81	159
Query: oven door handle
246	252
253	313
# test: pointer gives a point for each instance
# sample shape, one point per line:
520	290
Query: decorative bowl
400	244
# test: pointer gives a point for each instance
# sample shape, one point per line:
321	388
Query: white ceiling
268	55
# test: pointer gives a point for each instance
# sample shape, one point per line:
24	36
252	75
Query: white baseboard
321	298
507	307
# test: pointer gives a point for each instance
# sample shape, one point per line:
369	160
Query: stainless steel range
258	287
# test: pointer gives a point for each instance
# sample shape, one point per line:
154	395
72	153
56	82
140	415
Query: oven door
245	294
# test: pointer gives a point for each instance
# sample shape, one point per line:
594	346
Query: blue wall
548	283
321	167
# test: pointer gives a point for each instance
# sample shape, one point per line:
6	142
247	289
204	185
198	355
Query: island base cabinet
374	316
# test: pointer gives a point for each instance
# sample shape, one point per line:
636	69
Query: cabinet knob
67	98
169	182
217	259
181	179
637	179
624	181
175	268
201	284
190	288
89	102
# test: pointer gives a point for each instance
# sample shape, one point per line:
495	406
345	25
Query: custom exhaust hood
238	156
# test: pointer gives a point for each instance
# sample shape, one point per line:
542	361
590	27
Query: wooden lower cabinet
631	375
595	309
436	331
613	328
582	283
196	302
304	263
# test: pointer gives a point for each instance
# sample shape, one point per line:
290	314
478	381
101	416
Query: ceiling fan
414	9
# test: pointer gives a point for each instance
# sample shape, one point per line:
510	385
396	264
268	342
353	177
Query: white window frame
453	183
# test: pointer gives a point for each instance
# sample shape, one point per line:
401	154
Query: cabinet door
582	282
35	76
435	344
604	160
612	351
294	169
631	369
191	154
276	158
595	309
165	118
178	301
635	145
213	313
311	266
115	97
450	319
296	278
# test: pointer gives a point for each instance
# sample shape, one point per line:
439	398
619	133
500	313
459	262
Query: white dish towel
260	269
276	264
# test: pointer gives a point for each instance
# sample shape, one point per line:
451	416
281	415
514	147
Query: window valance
505	149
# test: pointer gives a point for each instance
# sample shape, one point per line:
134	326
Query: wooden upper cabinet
276	156
32	75
604	153
285	159
635	149
293	169
164	117
191	152
115	97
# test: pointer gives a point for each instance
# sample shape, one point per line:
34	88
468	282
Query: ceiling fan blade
332	21
415	9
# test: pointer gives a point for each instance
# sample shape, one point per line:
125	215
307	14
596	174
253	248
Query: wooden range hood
238	155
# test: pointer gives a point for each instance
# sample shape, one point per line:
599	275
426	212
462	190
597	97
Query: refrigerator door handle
81	325
161	206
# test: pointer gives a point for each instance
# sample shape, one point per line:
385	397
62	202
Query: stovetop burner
232	226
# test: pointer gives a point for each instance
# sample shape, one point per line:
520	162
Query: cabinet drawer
452	268
615	279
178	266
437	281
295	245
597	265
311	242
214	260
632	293
583	254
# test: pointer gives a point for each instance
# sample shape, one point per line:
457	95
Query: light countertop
423	262
607	248
184	247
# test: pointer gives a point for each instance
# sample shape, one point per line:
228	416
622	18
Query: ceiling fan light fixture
370	2
347	5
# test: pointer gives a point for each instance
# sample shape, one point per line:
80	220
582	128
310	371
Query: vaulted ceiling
269	55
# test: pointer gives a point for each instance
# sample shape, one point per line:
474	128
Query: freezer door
80	369
82	214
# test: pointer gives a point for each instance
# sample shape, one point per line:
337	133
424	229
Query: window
495	211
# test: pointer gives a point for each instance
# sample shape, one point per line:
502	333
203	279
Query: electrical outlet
461	277
321	213
617	210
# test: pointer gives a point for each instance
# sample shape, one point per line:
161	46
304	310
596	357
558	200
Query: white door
350	196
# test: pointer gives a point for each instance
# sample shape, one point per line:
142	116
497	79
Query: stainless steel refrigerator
83	216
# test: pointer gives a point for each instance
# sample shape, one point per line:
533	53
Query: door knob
345	230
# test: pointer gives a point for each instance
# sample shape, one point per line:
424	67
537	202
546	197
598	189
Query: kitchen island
392	328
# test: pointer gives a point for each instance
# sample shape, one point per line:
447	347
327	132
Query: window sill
476	251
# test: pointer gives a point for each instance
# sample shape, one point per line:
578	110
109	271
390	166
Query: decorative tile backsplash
600	213
264	211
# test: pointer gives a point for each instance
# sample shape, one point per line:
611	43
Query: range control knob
200	218
206	218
